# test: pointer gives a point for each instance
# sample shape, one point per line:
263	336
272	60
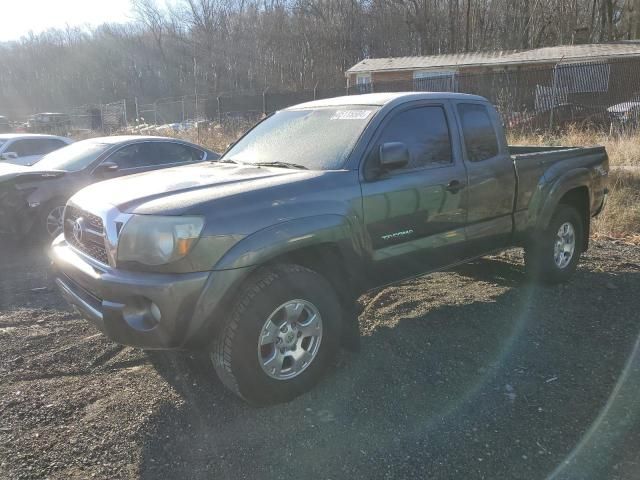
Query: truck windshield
316	139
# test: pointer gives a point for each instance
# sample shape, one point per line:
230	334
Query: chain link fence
601	95
598	95
88	118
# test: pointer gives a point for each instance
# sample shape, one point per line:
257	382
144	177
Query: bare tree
250	45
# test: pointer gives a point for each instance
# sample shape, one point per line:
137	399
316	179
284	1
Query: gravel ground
469	374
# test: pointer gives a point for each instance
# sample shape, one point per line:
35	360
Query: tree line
215	46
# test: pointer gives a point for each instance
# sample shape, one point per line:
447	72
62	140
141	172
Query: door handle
455	186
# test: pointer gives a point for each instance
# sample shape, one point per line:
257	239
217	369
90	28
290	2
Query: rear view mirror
9	156
106	167
393	155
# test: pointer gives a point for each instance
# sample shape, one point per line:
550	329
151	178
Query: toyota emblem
78	229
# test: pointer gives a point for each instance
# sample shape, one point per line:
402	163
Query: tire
44	227
541	262
263	302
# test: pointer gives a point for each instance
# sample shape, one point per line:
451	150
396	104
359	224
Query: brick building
445	72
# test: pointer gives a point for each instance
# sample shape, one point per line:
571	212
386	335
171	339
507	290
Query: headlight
153	240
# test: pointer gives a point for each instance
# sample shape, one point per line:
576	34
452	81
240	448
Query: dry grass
621	217
216	137
623	150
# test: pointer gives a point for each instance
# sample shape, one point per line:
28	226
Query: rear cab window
478	131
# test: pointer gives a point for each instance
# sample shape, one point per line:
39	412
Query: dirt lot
469	374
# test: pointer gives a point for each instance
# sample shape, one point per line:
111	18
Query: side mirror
9	156
106	168
393	155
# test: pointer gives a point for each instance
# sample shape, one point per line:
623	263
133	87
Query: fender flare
282	238
549	198
241	260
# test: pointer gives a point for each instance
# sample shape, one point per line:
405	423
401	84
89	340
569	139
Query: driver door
415	216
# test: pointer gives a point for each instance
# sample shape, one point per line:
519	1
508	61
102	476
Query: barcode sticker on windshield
351	115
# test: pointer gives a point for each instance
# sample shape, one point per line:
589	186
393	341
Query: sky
19	17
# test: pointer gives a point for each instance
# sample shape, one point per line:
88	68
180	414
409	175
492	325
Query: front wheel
52	220
282	334
553	255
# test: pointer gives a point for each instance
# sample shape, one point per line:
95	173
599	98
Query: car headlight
155	240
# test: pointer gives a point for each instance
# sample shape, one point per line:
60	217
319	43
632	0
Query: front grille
92	243
93	221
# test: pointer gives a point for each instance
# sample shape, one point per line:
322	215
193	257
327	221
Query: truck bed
533	163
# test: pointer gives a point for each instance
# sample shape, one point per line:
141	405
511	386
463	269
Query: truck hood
177	190
10	171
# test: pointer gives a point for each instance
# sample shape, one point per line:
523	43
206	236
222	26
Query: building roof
566	53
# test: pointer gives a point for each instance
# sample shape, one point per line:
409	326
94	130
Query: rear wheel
282	334
553	256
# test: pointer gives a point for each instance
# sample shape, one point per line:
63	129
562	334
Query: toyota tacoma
257	259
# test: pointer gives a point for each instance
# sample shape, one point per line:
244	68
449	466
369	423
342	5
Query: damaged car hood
10	171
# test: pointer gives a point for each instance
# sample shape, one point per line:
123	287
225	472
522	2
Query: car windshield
316	139
74	157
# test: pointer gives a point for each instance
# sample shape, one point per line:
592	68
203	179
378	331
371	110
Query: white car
27	149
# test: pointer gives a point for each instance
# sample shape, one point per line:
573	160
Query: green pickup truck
257	258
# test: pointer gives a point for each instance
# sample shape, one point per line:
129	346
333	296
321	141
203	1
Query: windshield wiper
280	164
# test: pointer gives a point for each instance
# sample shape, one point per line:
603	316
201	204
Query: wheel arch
328	260
572	188
324	244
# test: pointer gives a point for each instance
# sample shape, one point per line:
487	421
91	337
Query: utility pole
195	86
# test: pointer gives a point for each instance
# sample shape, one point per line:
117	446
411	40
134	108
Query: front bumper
133	308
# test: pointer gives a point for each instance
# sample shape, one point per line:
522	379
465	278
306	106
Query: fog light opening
142	314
